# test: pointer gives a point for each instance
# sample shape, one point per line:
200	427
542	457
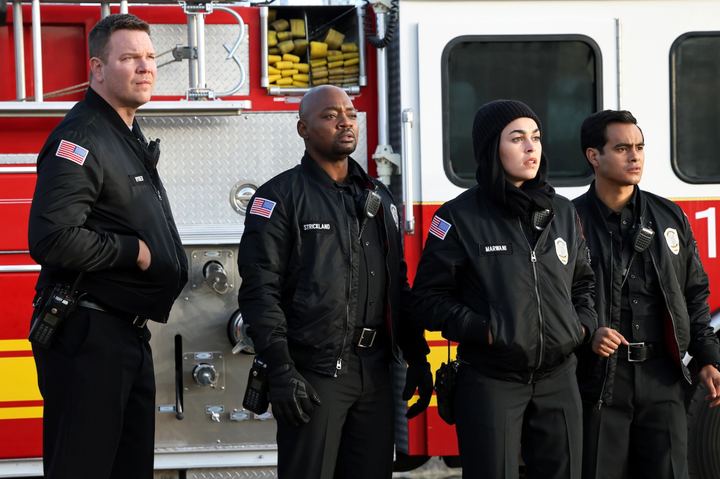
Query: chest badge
561	250
673	240
393	210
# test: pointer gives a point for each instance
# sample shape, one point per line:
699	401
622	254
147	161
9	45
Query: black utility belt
639	352
85	302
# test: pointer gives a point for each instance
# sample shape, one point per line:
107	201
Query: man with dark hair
326	298
651	298
100	220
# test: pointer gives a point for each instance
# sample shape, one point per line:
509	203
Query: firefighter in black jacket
505	273
100	208
652	309
326	298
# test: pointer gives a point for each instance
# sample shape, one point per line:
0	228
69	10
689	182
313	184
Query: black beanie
492	118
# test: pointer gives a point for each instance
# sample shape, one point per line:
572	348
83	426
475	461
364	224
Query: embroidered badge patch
561	250
71	151
262	207
673	240
439	227
393	210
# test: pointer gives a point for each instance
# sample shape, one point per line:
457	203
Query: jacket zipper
177	260
338	363
609	322
533	261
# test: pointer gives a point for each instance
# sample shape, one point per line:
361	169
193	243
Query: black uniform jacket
89	216
684	284
300	270
484	275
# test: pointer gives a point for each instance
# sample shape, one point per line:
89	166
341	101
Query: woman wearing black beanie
506	274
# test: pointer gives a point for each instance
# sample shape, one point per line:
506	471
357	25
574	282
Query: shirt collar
607	212
94	100
355	173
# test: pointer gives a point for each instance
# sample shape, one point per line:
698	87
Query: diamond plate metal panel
203	157
221	75
244	473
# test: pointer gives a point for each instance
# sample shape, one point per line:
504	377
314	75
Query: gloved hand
291	395
418	377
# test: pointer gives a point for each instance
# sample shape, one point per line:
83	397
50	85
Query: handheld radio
256	393
58	306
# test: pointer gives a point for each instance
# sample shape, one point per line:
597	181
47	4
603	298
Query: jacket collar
98	103
318	174
596	212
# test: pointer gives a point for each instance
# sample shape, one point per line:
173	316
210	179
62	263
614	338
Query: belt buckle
362	337
630	346
139	322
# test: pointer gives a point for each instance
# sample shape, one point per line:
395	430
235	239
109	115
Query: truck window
558	76
695	106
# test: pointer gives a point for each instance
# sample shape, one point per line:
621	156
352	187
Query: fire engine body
416	98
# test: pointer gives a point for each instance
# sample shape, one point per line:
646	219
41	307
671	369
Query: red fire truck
227	121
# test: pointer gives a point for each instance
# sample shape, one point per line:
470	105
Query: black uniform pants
98	386
643	434
351	436
494	417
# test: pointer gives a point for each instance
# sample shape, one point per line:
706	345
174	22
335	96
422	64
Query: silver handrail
231	51
19	50
20	268
264	80
37	50
407	167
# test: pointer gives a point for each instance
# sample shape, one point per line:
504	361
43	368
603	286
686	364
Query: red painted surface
17	307
20	438
16	191
702	235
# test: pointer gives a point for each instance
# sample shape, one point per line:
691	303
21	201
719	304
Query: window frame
465	183
673	110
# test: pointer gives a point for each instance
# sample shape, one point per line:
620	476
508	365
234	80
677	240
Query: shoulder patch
262	207
439	227
394	211
561	250
672	240
71	151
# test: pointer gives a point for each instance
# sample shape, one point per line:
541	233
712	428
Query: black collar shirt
642	306
372	281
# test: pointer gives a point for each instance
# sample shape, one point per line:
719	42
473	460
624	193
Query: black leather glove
291	396
418	377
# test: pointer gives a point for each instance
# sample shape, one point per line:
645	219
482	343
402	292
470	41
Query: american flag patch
71	151
439	227
262	207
